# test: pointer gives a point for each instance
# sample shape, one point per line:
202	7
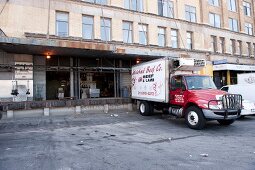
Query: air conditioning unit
188	64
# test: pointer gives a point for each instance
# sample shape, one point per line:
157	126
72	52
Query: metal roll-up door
125	84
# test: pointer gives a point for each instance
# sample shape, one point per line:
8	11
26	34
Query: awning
234	67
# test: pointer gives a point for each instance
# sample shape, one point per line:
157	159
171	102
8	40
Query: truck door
177	90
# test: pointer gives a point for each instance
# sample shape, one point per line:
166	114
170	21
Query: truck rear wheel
226	122
194	118
145	108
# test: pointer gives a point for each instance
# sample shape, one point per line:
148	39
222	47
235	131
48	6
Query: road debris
190	155
115	115
204	154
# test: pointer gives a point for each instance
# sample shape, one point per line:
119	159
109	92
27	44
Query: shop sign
23	70
217	62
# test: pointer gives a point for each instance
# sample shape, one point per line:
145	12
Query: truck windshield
199	82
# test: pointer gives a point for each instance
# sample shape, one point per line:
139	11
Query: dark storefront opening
97	84
57	85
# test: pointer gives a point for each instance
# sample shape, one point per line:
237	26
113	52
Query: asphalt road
124	141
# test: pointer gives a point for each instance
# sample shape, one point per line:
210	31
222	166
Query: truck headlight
213	106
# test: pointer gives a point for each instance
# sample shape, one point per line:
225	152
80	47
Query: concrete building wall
31	16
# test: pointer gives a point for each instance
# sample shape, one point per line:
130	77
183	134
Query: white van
248	93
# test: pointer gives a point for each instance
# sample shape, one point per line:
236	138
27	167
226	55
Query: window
248	29
88	27
239	50
103	2
190	13
214	2
233	25
105	29
166	8
247	8
136	5
189	40
127	32
143	37
177	83
233	46
232	5
174	38
214	43
62	24
214	20
249	48
161	36
222	44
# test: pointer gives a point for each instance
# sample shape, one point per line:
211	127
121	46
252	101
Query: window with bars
166	8
189	40
161	36
190	13
214	20
233	24
106	29
174	38
127	32
143	36
87	27
136	5
248	28
247	8
232	5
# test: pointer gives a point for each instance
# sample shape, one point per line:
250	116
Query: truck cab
196	98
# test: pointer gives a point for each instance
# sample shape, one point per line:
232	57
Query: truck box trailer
170	85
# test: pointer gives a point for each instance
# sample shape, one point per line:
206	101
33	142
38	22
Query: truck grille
232	101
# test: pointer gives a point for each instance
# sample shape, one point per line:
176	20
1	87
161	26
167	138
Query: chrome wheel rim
192	118
142	108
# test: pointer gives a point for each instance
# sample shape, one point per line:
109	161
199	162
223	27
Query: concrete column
97	27
9	113
71	78
77	109
130	107
228	77
106	108
46	111
168	37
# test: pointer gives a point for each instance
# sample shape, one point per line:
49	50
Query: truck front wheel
145	108
226	122
194	118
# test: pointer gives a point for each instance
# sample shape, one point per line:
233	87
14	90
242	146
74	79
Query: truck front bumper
221	114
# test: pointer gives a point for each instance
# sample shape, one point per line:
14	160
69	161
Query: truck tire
145	108
194	118
226	122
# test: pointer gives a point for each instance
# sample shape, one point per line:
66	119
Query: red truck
168	84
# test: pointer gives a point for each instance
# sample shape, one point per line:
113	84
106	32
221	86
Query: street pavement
124	140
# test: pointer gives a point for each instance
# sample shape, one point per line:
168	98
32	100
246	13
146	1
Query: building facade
51	49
